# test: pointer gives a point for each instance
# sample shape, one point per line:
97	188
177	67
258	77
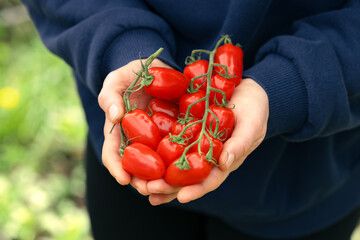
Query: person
294	154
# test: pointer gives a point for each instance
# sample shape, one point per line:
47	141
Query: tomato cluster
180	136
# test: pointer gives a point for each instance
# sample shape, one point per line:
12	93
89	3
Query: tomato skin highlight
198	171
140	128
195	69
205	146
168	84
232	57
169	151
198	109
223	84
143	162
164	122
226	120
190	133
159	105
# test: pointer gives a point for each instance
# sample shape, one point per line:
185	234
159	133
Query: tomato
198	171
167	84
205	146
164	122
232	57
140	128
143	162
197	110
159	105
169	151
195	69
190	133
226	120
223	84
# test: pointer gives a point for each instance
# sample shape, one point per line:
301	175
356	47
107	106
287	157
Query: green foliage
42	139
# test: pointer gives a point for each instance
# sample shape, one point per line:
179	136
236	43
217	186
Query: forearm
101	36
311	76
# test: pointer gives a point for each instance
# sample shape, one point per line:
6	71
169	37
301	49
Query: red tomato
197	110
195	69
205	146
167	84
169	151
143	162
198	171
159	105
223	84
190	133
140	128
164	122
226	120
232	57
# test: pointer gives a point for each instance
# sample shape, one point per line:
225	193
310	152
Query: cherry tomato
143	162
164	122
140	128
232	57
169	151
223	84
190	133
197	110
195	69
226	120
198	171
205	146
159	105
167	84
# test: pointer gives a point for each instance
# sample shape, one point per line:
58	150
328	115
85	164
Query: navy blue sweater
304	53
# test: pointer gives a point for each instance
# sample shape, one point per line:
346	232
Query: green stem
208	75
139	74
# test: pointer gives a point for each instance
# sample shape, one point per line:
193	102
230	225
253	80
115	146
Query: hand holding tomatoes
201	158
111	101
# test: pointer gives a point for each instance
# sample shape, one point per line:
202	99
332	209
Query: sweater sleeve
312	76
96	37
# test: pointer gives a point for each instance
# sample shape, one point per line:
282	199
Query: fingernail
230	160
113	111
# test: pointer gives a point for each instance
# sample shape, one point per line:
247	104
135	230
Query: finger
140	185
157	199
159	186
110	154
110	97
212	182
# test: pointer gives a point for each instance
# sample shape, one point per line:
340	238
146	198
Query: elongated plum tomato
164	122
232	57
167	84
196	69
159	105
169	151
226	120
143	162
197	110
217	146
140	128
198	171
223	84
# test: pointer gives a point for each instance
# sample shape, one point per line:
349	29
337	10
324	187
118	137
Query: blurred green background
42	135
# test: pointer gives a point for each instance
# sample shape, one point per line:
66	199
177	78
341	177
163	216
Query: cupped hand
251	115
111	101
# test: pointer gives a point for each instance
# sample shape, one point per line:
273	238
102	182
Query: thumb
110	97
246	138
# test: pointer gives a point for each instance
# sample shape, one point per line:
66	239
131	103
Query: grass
42	134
